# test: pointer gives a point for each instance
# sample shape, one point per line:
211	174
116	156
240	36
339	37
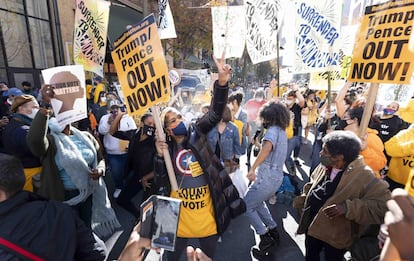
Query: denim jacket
229	141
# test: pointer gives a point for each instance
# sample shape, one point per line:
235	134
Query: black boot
275	235
266	242
266	245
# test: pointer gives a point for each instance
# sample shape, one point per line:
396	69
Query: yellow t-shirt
196	213
239	125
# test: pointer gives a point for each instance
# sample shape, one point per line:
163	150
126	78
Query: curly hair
275	114
344	143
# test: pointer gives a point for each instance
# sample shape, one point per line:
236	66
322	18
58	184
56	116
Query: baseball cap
13	92
114	102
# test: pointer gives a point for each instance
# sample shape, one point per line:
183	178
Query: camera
123	108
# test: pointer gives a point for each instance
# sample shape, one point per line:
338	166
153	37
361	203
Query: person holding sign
72	169
209	199
372	147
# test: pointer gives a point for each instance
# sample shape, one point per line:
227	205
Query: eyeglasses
173	120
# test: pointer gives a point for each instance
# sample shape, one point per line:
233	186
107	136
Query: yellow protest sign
381	52
140	64
319	80
409	186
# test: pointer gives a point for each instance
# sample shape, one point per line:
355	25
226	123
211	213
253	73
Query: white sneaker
272	199
117	192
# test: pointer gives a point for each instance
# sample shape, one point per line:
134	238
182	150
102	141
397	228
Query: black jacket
48	229
226	200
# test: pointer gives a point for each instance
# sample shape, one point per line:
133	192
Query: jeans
293	145
207	244
316	149
315	246
117	163
266	185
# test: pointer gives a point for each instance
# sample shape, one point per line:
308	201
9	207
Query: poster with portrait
69	101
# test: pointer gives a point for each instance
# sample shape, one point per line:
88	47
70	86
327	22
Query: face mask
389	111
33	114
289	102
341	125
180	130
149	130
325	160
259	99
265	125
103	99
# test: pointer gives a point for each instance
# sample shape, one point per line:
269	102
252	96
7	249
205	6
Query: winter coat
365	198
227	203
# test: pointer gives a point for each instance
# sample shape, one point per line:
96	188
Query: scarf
22	118
104	220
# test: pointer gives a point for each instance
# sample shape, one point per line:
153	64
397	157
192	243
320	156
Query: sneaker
117	192
272	199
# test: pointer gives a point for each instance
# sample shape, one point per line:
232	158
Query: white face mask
259	99
103	99
289	102
33	114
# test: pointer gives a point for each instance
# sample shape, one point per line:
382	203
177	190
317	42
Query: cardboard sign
381	52
69	102
140	64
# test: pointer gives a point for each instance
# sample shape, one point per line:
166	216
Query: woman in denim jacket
224	140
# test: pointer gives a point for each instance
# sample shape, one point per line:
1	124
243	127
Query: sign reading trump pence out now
141	66
381	52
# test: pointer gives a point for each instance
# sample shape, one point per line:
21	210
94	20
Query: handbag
239	181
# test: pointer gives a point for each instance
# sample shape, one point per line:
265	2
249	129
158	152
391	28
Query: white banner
91	26
229	30
166	27
262	29
400	93
317	34
69	102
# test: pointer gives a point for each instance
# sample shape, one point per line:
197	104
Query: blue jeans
266	185
117	164
293	143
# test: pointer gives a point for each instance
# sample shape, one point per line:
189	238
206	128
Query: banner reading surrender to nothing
381	53
140	64
91	26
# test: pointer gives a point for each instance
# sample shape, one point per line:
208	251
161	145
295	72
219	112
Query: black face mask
265	125
341	125
148	130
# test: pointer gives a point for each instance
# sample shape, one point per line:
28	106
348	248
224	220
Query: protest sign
69	101
140	64
262	28
166	27
229	30
318	34
91	26
381	52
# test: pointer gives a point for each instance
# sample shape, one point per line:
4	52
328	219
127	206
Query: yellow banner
319	81
381	53
140	64
91	26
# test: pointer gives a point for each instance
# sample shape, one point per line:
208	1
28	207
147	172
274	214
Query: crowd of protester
345	199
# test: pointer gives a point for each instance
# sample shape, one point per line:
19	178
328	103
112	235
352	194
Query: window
41	43
16	39
37	8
